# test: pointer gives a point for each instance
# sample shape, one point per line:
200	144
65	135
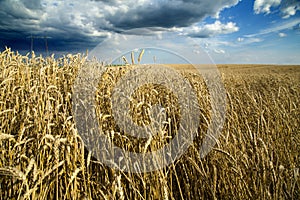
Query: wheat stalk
141	56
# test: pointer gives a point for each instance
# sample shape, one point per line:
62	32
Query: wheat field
44	157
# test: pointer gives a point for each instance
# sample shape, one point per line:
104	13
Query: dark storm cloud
17	18
32	4
12	14
25	18
139	18
82	24
168	13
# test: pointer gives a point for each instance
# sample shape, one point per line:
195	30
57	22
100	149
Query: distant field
247	69
43	156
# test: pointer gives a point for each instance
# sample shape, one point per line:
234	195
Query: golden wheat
44	157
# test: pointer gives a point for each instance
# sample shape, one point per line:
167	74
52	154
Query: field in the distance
247	68
43	156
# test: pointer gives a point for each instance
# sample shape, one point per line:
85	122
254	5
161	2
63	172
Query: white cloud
282	34
250	50
286	8
290	9
209	30
242	41
219	51
264	6
253	40
196	51
279	27
246	41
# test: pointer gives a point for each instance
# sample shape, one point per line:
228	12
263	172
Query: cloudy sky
231	31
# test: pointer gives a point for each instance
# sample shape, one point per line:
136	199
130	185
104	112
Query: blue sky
230	31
